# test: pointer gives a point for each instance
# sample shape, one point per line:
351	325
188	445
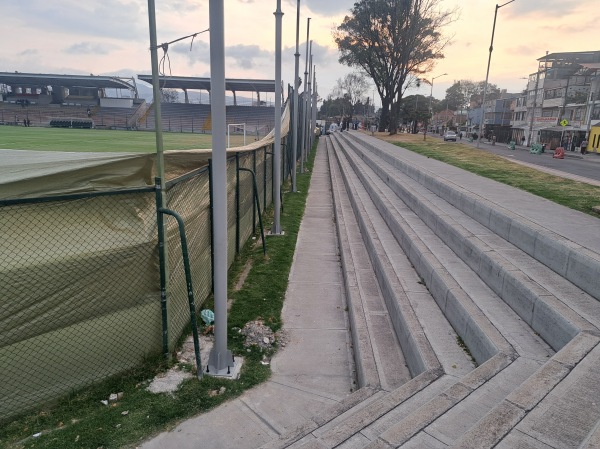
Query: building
497	117
558	101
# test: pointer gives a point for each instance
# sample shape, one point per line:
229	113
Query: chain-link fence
81	297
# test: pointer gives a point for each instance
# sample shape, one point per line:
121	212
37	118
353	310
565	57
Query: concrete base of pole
219	363
231	373
271	234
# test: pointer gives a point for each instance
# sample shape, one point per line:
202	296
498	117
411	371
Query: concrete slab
571	411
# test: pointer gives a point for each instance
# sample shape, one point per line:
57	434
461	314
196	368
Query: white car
450	135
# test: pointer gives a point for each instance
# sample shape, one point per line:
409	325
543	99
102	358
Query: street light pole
431	94
487	75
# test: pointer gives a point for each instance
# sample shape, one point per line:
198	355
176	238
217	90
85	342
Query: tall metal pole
487	75
220	359
308	105
277	147
314	102
160	167
296	87
303	144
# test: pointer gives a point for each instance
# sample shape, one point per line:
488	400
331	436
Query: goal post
235	125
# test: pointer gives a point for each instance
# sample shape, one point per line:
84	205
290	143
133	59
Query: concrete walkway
315	370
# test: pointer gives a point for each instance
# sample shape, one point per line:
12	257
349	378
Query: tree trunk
385	114
394	117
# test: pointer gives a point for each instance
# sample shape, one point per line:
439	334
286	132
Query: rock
125	412
120	395
213	393
258	334
104	401
221	390
113	397
37	435
266	340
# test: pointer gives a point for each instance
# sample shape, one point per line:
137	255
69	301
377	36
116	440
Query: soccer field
91	140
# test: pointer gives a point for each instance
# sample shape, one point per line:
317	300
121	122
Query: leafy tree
467	94
335	107
393	41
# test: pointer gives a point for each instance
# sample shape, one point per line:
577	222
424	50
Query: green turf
91	140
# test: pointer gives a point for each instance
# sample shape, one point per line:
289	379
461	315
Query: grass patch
572	194
93	140
80	420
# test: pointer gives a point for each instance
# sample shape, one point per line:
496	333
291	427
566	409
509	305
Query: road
574	164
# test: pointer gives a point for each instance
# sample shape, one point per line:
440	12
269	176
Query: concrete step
366	298
552	318
574	255
511	326
408	298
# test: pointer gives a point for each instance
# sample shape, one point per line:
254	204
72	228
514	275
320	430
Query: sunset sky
112	37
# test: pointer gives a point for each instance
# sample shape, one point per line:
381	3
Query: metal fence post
253	205
163	269
212	237
237	203
265	179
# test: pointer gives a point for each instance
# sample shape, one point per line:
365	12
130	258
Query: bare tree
393	41
169	96
352	87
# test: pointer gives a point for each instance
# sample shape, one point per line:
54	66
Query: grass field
91	140
569	193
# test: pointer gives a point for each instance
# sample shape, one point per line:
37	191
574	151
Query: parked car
450	135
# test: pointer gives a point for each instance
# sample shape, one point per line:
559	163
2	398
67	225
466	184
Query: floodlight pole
160	168
220	358
303	144
487	75
276	230
296	87
308	116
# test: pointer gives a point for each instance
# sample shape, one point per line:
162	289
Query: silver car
450	135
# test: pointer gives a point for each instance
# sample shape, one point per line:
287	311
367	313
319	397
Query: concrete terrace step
547	314
441	262
535	225
382	363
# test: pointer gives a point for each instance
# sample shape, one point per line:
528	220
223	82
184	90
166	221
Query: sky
111	37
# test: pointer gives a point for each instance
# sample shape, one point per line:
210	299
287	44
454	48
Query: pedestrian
583	146
460	135
523	140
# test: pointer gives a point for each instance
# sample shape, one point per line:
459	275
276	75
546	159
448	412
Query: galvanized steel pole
220	359
296	87
308	116
303	145
160	186
277	147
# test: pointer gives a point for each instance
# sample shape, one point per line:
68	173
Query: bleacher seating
181	117
42	115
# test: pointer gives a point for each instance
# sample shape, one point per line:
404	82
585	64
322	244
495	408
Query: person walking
583	146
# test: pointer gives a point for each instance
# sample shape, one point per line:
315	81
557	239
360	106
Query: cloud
181	7
541	8
326	8
200	52
29	52
246	55
90	48
112	18
323	56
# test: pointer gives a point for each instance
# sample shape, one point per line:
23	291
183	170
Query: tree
335	107
393	41
466	94
169	96
353	87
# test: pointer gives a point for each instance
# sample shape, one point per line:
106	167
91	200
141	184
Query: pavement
529	392
315	370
